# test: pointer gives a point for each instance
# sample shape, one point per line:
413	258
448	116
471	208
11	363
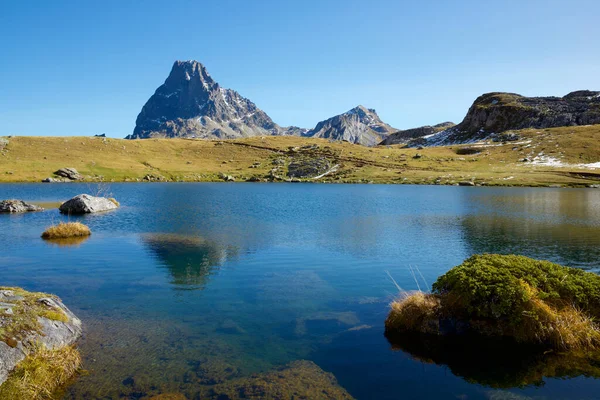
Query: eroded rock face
360	125
84	204
192	104
17	206
494	113
51	333
307	167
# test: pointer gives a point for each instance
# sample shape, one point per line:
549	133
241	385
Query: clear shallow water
189	284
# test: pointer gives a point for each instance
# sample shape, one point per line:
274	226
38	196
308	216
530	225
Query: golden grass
564	329
415	312
66	230
41	373
114	201
35	158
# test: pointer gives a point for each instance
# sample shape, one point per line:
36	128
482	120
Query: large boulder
69	173
85	204
17	206
28	320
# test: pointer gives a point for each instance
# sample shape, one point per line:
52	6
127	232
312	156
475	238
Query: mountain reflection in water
189	259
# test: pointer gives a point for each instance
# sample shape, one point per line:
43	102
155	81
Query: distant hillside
401	137
192	104
360	125
494	113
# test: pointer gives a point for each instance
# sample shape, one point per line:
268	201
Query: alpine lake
189	285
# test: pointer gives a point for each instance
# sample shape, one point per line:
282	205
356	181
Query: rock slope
192	104
360	125
494	113
404	136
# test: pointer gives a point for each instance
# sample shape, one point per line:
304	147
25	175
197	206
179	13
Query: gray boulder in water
17	206
85	204
52	332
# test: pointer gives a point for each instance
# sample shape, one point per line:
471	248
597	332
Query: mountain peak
360	109
192	104
190	70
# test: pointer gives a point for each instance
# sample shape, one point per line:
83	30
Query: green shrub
494	286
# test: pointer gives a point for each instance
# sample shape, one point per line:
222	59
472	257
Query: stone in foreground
17	206
85	204
28	320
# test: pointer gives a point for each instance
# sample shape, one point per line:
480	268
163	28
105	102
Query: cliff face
360	125
499	112
192	104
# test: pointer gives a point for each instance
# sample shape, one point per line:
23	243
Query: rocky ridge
495	113
359	125
404	136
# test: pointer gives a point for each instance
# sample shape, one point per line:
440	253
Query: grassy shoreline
31	159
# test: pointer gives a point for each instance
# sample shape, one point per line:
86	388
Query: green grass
41	373
531	301
31	159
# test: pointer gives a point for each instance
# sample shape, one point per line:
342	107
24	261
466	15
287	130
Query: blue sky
82	68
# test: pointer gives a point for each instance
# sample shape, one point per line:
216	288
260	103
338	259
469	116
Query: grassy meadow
31	159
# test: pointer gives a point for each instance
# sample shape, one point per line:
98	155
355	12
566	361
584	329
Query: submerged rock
17	206
297	380
84	204
30	320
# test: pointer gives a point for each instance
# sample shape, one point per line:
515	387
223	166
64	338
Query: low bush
66	230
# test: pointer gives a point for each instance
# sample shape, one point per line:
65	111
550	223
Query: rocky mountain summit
404	136
495	113
360	125
192	104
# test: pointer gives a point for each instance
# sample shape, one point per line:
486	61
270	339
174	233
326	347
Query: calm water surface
188	284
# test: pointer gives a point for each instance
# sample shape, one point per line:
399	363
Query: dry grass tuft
114	201
415	312
66	230
41	373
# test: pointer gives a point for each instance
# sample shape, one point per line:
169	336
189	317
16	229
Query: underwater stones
35	321
84	204
298	380
17	206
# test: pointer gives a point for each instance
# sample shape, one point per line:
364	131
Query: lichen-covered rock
17	206
28	320
84	204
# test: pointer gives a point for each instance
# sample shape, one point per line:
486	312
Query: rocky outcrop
69	173
84	204
191	104
28	320
17	206
494	113
308	167
404	136
360	125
